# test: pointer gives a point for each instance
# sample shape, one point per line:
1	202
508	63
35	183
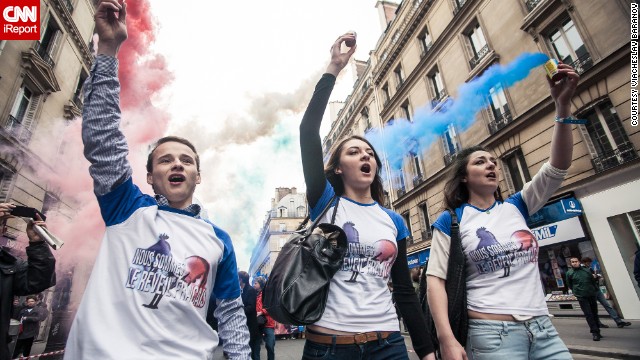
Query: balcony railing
501	121
459	5
531	4
448	158
417	180
436	100
426	234
610	159
400	193
583	63
478	56
17	130
425	49
42	51
69	6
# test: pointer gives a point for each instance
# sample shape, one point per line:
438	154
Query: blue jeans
391	348
612	312
269	336
533	339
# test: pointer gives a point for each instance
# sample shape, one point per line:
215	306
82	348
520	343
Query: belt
359	338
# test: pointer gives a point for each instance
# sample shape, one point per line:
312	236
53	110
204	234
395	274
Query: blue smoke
401	137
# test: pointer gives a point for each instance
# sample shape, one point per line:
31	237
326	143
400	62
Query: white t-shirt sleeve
439	256
536	192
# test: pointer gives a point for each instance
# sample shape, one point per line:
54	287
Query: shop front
418	259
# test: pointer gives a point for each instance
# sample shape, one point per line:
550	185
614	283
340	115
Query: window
78	98
450	143
385	94
6	180
50	203
406	217
22	114
516	171
478	45
365	119
399	75
499	109
50	42
302	211
606	138
406	110
282	227
20	106
416	164
282	211
437	87
568	46
425	224
400	184
425	40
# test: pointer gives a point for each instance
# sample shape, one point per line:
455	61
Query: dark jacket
249	298
582	282
636	267
18	277
30	323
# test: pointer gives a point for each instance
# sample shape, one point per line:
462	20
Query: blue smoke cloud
402	137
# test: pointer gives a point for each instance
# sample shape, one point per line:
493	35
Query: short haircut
586	259
574	257
32	297
244	277
167	139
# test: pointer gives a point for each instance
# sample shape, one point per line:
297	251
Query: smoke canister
551	67
349	42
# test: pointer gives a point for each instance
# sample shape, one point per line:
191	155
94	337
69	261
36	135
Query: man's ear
149	179
198	179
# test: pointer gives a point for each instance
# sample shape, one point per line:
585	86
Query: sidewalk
616	343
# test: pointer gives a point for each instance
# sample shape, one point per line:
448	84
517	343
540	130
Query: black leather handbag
456	288
297	289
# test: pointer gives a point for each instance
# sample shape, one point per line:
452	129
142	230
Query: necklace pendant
488	212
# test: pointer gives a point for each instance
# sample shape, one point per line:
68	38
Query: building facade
40	93
288	210
431	47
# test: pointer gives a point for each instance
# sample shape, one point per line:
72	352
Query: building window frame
515	170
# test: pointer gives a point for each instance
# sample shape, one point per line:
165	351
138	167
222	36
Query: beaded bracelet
570	120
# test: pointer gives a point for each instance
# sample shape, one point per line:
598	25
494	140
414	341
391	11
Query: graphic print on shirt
375	259
490	255
154	270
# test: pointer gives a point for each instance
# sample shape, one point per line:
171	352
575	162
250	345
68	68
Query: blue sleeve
443	223
226	284
116	206
326	196
398	221
518	201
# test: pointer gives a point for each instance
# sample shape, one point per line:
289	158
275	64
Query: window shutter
587	140
508	179
29	118
55	42
16	102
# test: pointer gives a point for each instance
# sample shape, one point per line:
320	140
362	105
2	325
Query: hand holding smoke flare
31	215
402	137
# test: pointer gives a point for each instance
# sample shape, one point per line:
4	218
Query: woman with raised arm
508	315
359	321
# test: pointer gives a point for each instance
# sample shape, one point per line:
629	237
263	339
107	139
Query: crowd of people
166	282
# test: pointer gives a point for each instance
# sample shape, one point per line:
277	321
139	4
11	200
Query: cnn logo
20	20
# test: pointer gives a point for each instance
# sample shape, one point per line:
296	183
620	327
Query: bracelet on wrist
570	120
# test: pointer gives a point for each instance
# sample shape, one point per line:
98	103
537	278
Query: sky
241	75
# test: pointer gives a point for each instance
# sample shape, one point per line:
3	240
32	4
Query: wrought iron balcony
42	51
400	193
583	63
448	158
501	121
425	49
610	159
417	180
69	6
479	56
436	100
531	4
17	130
459	5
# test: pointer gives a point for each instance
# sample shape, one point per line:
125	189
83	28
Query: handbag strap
455	227
324	211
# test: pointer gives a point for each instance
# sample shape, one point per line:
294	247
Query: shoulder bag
297	289
456	288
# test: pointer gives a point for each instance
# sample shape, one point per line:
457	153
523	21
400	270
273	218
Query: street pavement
616	343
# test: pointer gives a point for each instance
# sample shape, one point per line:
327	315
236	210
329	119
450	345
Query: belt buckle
360	338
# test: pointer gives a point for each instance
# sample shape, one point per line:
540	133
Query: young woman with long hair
359	320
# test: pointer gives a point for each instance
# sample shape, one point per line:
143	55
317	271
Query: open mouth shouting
492	175
366	168
176	179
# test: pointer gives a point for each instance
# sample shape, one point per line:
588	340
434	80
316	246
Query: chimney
387	12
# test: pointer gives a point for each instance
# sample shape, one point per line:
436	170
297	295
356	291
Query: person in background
268	329
415	279
20	278
29	327
601	299
584	285
249	298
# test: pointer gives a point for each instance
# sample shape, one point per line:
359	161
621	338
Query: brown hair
377	190
455	191
167	139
